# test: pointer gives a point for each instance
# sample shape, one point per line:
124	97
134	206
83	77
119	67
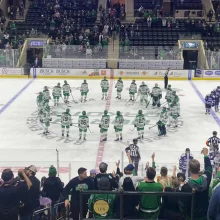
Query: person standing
166	78
134	152
80	182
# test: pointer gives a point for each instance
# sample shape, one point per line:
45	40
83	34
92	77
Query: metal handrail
41	211
121	193
66	217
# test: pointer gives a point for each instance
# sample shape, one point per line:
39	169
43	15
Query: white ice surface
22	142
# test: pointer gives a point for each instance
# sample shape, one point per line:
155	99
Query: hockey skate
139	138
117	97
84	139
62	134
47	132
142	136
80	138
121	138
67	135
102	98
117	139
105	139
85	100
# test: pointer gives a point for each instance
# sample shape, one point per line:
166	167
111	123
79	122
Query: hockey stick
148	102
152	126
132	129
73	98
135	99
57	105
90	130
58	163
65	103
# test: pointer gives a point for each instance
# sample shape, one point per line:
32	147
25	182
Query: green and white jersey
174	111
175	99
39	100
119	121
46	116
133	88
56	91
83	121
105	121
66	119
46	94
84	87
156	91
119	85
104	84
66	88
140	121
143	90
163	117
169	94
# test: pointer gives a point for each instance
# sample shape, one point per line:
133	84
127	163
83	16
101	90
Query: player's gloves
87	126
114	127
160	96
151	94
71	124
50	119
135	126
99	125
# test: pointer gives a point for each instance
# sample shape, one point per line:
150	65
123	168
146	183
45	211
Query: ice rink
22	142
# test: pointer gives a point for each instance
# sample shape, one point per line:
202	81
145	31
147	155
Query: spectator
149	21
210	15
200	185
12	193
171	203
92	174
213	210
165	180
81	182
53	187
182	179
103	173
164	22
37	63
105	199
34	191
149	207
130	201
216	181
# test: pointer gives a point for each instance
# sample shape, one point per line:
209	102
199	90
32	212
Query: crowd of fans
24	194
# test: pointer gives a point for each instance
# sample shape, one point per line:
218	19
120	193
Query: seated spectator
149	207
198	184
52	187
12	193
102	205
130	201
103	173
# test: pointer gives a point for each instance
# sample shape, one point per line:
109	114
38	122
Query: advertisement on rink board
11	71
151	73
47	72
208	73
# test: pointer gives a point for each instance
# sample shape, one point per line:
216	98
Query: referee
166	78
134	151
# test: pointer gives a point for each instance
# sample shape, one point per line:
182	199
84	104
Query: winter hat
93	171
52	170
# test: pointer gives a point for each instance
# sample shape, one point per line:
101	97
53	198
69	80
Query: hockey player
84	90
175	100
217	98
132	90
173	115
156	95
56	94
162	122
119	86
143	91
83	124
66	122
184	161
213	144
105	87
46	119
66	91
40	101
104	125
119	122
46	95
168	95
139	123
134	152
208	103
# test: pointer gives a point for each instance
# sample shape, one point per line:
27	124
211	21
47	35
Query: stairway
129	8
113	53
207	5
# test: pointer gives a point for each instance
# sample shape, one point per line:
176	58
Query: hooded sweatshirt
201	188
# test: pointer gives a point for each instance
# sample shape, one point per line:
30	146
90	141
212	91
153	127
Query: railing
66	213
41	211
213	59
9	57
122	193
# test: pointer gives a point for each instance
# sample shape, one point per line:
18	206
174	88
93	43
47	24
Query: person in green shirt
149	206
102	205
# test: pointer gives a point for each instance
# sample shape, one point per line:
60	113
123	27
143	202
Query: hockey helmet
133	81
67	110
164	109
84	81
169	86
47	108
218	87
58	84
143	83
140	112
40	93
212	92
104	77
105	112
214	133
135	141
84	112
120	78
174	92
156	85
118	113
45	87
103	167
65	81
187	150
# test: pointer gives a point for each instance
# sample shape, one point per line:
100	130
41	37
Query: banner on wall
47	72
199	73
211	73
151	73
11	71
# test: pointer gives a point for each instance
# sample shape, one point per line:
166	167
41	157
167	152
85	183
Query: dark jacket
52	188
112	180
201	187
34	192
214	205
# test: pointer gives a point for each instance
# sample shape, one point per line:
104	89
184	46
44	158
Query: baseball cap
31	168
93	171
130	167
